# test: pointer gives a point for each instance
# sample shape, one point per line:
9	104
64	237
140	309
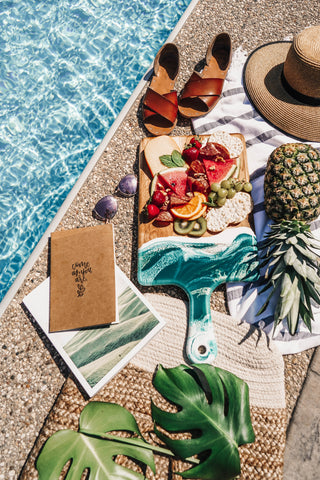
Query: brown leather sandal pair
199	95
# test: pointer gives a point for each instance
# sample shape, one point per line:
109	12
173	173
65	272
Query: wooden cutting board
196	264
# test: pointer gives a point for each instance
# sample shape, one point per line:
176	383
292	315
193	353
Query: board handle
201	345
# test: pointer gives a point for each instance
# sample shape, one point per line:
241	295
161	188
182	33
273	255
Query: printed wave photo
95	352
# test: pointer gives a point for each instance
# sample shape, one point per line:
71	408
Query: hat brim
262	81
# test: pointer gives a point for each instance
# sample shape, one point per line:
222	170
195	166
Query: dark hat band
312	101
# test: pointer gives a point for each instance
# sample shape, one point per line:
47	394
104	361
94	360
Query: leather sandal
203	90
160	103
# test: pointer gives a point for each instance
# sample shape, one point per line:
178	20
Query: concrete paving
302	454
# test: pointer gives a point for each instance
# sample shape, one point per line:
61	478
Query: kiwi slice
199	228
183	227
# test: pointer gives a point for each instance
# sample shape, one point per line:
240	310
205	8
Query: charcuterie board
197	265
148	230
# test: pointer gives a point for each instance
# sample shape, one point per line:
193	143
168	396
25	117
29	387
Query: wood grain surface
148	230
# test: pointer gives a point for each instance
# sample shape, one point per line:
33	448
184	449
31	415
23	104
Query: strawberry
192	149
153	210
158	198
195	141
190	153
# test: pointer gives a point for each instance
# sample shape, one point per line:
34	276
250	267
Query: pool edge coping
9	296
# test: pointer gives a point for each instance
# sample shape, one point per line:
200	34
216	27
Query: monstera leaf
87	451
213	405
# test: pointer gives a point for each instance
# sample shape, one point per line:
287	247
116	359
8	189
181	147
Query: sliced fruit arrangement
290	251
199	178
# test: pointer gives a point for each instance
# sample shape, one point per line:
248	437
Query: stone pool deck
32	373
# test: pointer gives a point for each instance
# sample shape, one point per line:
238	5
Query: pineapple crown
292	227
292	270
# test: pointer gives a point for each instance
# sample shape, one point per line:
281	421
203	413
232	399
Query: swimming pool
67	70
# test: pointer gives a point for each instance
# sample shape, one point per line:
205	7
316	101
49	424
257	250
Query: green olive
222	192
221	201
225	184
212	196
231	193
247	187
215	187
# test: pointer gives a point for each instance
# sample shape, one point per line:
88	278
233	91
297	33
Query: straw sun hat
282	80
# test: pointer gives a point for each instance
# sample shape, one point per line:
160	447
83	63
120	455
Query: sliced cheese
155	148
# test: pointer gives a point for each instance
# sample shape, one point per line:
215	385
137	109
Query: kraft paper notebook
82	270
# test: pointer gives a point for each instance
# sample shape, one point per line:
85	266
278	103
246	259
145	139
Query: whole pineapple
292	200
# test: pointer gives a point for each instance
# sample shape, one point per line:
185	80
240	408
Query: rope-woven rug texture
242	350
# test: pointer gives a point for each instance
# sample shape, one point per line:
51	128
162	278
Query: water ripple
67	68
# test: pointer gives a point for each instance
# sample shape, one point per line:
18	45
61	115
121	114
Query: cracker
232	143
216	220
234	210
240	206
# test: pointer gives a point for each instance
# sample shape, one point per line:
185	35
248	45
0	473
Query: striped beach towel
234	113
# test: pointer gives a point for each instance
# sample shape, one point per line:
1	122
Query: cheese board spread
195	228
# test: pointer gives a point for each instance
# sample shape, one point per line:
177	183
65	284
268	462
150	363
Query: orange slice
202	196
198	215
203	209
193	207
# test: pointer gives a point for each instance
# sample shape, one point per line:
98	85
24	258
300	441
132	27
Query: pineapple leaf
264	306
269	284
280	250
312	292
286	285
301	268
293	315
304	239
306	252
278	270
312	275
306	317
271	250
270	239
269	262
277	318
286	302
309	235
292	240
266	287
305	307
290	256
264	262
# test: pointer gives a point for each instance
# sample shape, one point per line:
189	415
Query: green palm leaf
214	405
96	454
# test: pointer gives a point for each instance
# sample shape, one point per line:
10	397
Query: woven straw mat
241	350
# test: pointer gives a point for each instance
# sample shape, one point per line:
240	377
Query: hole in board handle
202	349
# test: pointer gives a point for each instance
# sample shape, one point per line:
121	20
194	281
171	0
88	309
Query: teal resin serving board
197	265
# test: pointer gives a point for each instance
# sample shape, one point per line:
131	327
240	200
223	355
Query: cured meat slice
213	151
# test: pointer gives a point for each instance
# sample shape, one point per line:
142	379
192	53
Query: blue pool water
67	68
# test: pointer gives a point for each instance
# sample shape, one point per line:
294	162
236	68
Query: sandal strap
207	89
165	105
